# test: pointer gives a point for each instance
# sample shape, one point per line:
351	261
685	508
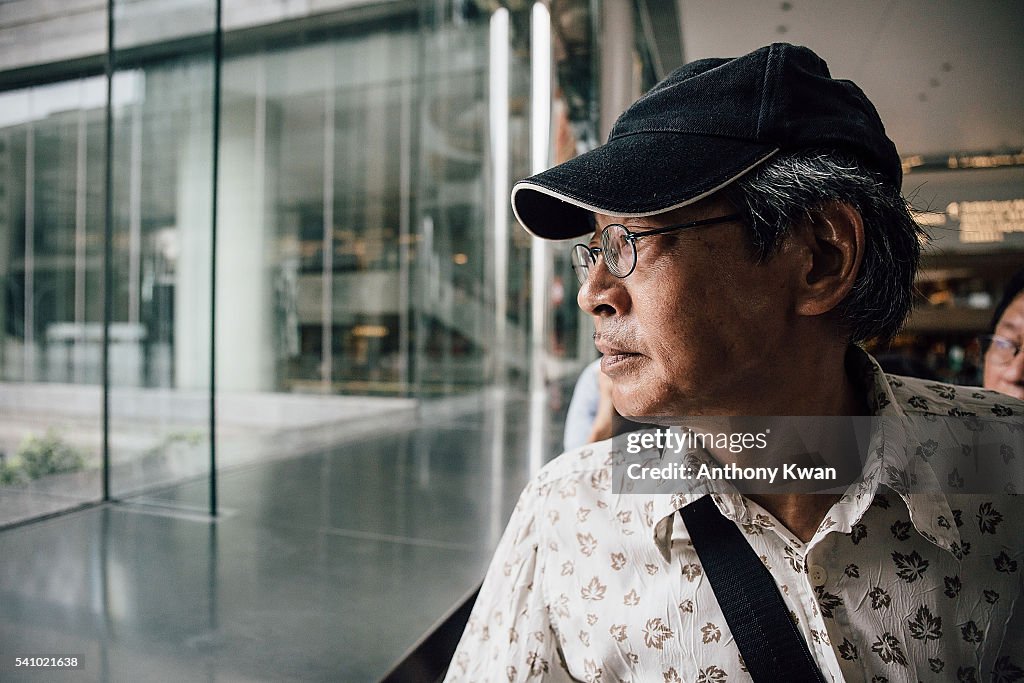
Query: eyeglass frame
632	237
988	340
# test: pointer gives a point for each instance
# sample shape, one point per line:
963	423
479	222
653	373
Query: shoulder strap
771	646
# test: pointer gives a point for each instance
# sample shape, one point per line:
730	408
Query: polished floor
323	567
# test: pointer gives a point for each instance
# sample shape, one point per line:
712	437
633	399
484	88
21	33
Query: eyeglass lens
998	350
617	250
582	260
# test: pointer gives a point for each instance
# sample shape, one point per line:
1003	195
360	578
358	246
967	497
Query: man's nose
603	294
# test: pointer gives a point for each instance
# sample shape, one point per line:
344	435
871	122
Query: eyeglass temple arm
680	226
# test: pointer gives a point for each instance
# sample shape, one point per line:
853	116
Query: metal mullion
218	51
29	317
327	277
80	247
108	252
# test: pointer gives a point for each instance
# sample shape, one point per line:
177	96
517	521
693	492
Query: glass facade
52	153
365	254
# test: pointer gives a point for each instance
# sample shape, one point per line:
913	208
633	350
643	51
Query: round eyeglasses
998	350
618	246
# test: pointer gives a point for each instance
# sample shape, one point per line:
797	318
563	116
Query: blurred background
260	280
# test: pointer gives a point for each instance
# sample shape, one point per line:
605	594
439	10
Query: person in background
1004	362
591	414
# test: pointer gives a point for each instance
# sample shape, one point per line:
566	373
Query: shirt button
818	575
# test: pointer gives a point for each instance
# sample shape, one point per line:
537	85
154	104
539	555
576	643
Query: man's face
697	327
1008	378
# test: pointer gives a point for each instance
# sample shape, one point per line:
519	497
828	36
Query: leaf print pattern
827	602
919	402
671	676
710	633
927	450
888	649
960	551
618	561
603	579
588	544
1001	411
794	560
899	479
538	666
910	567
925	626
944	390
967	674
988	518
593	590
879	598
1004	564
1006	671
971	633
954	479
901	530
656	632
561	606
712	674
847	650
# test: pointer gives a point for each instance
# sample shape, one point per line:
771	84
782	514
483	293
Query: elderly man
746	230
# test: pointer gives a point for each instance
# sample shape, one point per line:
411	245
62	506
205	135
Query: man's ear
830	241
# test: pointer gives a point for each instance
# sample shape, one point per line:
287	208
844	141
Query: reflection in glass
51	227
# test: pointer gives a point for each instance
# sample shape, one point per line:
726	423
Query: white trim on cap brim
523	185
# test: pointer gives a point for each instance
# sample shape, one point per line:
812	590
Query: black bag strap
771	646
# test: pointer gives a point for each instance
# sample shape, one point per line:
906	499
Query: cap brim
632	176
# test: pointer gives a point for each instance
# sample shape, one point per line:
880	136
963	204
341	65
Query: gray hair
791	186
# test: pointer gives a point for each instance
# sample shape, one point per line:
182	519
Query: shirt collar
889	464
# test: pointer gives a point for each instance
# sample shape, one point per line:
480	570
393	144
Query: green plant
48	454
10	472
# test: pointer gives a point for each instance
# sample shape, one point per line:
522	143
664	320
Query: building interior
276	359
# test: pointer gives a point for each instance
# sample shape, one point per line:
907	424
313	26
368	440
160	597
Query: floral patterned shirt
594	586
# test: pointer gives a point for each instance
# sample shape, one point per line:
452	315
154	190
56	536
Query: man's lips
614	355
608	349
